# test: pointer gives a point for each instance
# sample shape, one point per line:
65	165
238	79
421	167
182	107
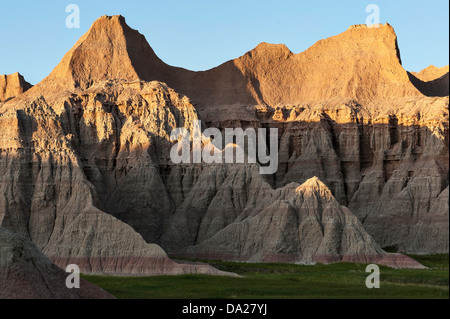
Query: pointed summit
314	183
362	63
110	49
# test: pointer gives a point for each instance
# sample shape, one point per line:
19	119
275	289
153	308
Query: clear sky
201	34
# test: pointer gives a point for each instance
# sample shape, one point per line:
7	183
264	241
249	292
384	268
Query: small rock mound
431	73
431	83
12	85
25	273
306	226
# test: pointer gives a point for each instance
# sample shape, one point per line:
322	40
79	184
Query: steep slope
12	85
361	63
26	273
85	168
99	243
437	87
432	81
110	49
304	225
431	231
47	152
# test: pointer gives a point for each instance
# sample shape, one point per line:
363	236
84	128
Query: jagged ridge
361	63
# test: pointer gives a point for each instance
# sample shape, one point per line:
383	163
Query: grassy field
340	280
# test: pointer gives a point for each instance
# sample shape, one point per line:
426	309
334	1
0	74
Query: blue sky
201	34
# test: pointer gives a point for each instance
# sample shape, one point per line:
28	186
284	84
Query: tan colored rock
363	63
46	192
432	81
431	73
12	85
85	154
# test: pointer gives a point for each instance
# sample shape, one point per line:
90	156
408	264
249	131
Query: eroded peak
270	50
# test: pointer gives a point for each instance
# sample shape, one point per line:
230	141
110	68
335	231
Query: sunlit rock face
86	173
12	85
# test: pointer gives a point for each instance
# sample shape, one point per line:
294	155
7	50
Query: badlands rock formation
295	224
272	75
54	204
26	273
12	85
431	73
432	81
85	171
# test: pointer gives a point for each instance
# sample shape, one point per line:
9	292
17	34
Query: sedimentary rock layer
86	174
301	224
26	273
12	85
56	172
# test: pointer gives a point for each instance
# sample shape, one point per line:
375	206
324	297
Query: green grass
340	280
439	261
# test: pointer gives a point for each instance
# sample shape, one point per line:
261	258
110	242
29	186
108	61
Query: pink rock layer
129	265
389	259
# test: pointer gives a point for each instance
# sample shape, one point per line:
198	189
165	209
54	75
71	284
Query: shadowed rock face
386	161
99	243
436	87
85	171
431	81
431	231
302	224
431	73
361	63
48	171
26	273
351	65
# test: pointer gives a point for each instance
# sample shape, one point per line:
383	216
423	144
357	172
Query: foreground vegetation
340	280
